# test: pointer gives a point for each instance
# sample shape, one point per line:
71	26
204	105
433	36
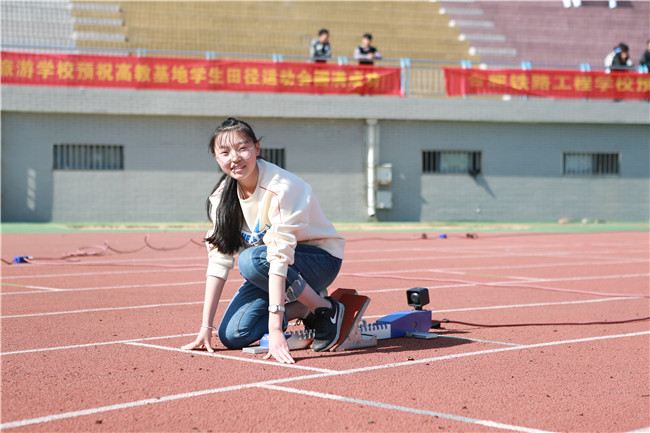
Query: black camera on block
417	297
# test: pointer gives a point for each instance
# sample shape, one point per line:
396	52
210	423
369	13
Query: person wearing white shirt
289	253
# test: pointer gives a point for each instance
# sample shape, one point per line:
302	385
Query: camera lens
415	298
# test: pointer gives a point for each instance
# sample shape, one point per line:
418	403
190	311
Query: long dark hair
226	235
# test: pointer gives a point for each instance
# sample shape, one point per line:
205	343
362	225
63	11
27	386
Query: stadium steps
100	25
416	31
544	32
37	23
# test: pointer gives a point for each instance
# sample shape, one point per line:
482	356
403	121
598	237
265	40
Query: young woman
289	253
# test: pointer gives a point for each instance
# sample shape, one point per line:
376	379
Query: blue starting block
407	322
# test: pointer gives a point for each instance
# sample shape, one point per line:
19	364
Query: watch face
275	308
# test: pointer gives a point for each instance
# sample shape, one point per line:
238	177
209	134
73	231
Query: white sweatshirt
282	212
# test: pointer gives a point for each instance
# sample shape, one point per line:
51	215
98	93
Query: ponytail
226	235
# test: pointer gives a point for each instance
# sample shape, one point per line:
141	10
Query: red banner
191	74
547	83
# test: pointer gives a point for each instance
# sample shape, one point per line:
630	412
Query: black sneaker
327	322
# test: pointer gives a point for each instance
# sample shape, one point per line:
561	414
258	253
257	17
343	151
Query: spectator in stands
619	59
320	49
366	53
645	57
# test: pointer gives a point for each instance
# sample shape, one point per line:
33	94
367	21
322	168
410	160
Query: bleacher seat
543	32
547	33
400	29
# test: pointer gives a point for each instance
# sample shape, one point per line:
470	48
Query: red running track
94	346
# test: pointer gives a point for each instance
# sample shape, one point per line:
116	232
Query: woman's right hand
202	341
279	348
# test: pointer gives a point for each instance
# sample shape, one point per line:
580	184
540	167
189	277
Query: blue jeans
246	319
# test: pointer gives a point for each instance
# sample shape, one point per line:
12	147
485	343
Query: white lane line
389	273
403	289
549	250
94	310
448	416
382	274
490	351
128	286
103	343
584	278
32	292
463	355
538	304
131	404
47	289
86	274
494	307
236	358
525	266
132	286
127	405
505	284
477	255
540	265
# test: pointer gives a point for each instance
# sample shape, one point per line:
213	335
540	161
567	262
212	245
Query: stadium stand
61	24
494	32
38	23
259	28
418	31
544	32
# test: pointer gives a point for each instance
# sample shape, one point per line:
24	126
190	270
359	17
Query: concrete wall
521	172
168	170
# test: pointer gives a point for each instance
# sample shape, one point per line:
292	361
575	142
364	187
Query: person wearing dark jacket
366	53
320	49
621	60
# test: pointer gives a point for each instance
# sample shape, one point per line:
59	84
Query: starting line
127	405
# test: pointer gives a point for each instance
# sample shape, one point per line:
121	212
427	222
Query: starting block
415	324
356	333
382	331
355	306
409	321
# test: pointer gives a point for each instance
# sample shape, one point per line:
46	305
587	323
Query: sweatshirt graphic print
254	238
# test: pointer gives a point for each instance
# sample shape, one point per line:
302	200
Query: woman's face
237	155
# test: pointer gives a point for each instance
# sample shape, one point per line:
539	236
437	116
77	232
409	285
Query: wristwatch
274	308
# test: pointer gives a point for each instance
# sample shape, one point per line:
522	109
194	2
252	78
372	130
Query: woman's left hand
279	348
